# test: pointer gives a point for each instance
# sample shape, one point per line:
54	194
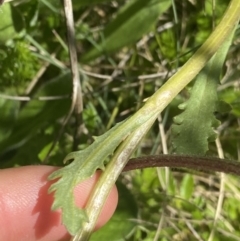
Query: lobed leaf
86	162
84	165
194	127
104	146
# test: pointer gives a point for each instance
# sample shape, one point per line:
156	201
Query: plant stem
180	161
77	102
149	112
108	179
161	98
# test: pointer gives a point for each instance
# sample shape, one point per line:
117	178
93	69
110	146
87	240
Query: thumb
25	205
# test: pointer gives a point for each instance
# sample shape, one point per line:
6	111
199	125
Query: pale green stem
160	99
155	104
108	179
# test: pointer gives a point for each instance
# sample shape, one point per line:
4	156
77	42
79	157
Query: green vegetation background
126	50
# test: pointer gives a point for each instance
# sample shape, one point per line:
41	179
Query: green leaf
88	2
232	97
6	24
36	114
223	107
28	153
84	165
136	18
187	187
86	162
17	17
9	110
195	126
120	225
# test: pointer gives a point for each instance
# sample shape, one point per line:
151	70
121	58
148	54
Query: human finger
25	205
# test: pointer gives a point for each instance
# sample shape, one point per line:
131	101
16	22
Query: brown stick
191	162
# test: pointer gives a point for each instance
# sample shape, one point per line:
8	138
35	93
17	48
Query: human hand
25	205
